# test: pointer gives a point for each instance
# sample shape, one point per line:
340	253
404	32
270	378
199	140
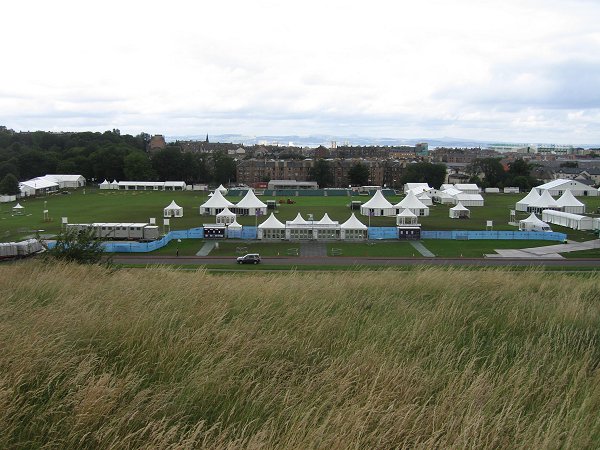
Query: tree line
108	155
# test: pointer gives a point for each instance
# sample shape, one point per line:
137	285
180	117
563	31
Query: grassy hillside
166	359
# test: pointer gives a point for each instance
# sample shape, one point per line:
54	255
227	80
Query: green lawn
594	253
476	248
138	206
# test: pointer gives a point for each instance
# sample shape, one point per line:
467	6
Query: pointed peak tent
222	189
531	197
568	199
533	223
407	213
234	224
410	201
226	213
326	221
18	206
217	201
173	210
353	224
544	202
298	220
272	223
459	207
250	200
378	201
173	205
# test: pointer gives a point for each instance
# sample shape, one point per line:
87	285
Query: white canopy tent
425	198
104	185
417	188
215	204
544	202
569	220
412	203
377	206
18	209
234	230
524	203
459	212
407	217
353	229
560	185
250	205
225	216
568	203
533	223
469	199
173	210
271	228
222	189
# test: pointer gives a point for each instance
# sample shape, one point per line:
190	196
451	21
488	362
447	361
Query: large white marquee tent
559	186
377	206
412	203
568	203
569	220
215	204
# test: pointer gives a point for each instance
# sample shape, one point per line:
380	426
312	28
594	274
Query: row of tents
534	202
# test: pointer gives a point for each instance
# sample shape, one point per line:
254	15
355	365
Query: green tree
224	168
424	172
77	246
492	170
137	166
322	173
358	175
519	167
9	185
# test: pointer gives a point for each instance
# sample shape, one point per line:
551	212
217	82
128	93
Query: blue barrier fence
250	233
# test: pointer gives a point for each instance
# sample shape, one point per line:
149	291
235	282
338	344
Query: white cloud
470	69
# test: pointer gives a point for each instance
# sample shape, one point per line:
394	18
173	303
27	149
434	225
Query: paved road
357	261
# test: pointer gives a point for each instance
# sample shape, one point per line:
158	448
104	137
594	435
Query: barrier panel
234	233
383	233
249	232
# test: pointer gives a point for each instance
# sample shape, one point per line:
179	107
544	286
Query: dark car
250	258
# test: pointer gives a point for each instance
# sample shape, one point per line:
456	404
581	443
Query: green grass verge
476	248
593	253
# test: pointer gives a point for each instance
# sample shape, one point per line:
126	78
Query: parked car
250	258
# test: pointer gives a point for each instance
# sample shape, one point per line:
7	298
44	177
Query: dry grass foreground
426	359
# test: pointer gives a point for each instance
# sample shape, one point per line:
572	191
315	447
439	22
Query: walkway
421	249
547	252
313	249
206	248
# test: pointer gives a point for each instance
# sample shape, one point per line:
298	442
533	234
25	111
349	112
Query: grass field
117	206
431	358
476	248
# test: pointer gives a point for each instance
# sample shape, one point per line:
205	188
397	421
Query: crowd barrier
375	233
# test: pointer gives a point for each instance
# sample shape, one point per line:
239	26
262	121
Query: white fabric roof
377	201
533	219
39	183
568	199
216	201
423	195
222	189
459	207
105	182
531	197
463	196
60	178
559	182
407	213
173	205
327	221
234	224
250	200
411	201
545	201
353	224
226	213
18	206
452	191
466	186
298	220
272	223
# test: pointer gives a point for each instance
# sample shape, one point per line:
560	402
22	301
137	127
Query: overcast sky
511	70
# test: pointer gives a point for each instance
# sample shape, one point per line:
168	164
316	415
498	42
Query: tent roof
452	191
222	189
466	186
559	182
545	201
226	213
411	201
234	224
568	199
57	178
298	220
407	213
531	197
115	182
39	183
326	221
273	223
216	201
353	224
377	201
423	195
173	205
18	206
459	207
463	196
105	182
250	200
533	219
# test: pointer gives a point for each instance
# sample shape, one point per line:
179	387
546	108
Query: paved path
547	252
206	248
313	249
421	249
